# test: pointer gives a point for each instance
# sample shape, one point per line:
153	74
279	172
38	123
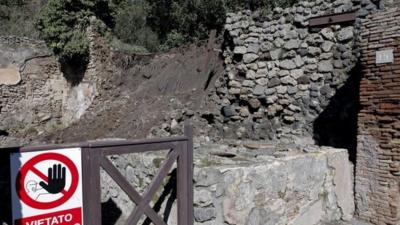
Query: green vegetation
16	18
62	24
165	24
133	26
180	21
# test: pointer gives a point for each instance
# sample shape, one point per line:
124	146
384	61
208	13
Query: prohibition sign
29	166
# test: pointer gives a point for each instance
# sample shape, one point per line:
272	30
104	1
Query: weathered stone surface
328	33
259	90
327	46
274	82
240	50
287	64
9	75
346	34
227	111
281	89
254	103
251	75
303	80
378	161
298	187
284	56
325	66
343	179
276	54
32	89
289	80
80	99
262	81
250	57
314	51
248	83
297	73
311	217
253	48
298	61
292	44
204	214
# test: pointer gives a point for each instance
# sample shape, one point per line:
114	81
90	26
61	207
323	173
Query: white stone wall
276	185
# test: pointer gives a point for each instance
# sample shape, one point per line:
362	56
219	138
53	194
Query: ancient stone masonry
245	184
34	95
378	153
280	73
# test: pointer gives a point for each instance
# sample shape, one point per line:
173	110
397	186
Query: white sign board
47	187
384	56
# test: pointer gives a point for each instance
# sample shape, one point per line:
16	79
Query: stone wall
378	153
31	89
245	184
236	183
88	83
281	75
39	95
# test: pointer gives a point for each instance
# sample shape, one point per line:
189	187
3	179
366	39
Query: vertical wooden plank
189	161
182	187
85	154
94	188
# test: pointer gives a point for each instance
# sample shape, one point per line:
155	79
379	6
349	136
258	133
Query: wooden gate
94	157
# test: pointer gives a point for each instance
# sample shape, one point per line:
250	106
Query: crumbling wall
40	95
32	102
378	152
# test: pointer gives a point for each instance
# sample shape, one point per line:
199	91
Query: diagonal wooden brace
154	186
129	190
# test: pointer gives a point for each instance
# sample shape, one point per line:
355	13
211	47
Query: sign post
47	187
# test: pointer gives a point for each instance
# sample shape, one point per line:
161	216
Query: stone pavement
353	222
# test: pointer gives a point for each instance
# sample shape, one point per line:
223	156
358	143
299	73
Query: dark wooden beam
348	17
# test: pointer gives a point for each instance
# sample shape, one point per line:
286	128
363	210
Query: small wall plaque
384	56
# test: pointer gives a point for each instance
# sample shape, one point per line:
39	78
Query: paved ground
354	222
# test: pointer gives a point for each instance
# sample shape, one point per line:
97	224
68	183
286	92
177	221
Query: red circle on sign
20	183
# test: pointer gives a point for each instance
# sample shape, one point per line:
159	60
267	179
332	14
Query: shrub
174	39
131	27
181	21
268	5
62	24
129	49
16	19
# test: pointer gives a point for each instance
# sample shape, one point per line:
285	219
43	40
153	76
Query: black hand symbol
56	180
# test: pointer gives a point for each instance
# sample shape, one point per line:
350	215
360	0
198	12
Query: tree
131	26
62	24
180	21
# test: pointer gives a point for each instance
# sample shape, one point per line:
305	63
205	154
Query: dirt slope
145	90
